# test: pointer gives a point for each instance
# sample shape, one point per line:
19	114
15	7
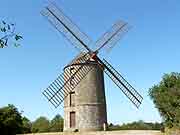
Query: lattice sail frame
112	36
125	87
66	27
58	90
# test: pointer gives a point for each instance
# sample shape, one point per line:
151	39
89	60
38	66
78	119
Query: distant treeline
12	122
139	125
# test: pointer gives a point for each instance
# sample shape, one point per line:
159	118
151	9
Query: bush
140	125
165	96
40	125
11	121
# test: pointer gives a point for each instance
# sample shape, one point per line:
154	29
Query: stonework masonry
87	102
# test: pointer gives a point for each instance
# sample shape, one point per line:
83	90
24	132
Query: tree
56	124
137	125
8	34
10	120
26	128
40	125
166	97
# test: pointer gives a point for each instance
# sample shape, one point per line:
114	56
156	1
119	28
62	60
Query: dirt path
127	132
134	132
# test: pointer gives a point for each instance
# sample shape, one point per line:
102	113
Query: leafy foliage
8	34
166	97
10	120
26	125
40	125
140	125
56	124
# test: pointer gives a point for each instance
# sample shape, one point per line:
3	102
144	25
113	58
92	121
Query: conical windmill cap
77	59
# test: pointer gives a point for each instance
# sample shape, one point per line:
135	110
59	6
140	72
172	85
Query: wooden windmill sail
59	89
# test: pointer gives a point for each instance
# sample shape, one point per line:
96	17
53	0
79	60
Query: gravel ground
128	132
135	132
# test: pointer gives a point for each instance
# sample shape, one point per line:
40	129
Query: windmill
81	85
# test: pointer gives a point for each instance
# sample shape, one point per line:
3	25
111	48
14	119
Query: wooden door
72	120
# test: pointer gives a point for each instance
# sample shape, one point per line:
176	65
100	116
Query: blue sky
147	51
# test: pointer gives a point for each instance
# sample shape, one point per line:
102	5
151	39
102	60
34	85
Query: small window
72	99
71	73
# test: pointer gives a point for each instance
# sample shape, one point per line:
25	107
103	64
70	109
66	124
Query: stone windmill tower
81	86
85	106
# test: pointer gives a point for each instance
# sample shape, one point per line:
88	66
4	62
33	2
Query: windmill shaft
86	47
